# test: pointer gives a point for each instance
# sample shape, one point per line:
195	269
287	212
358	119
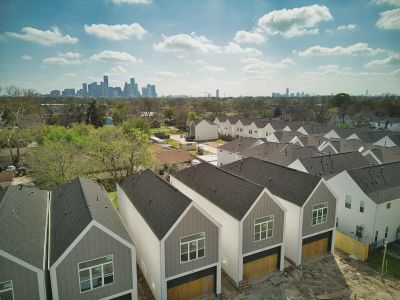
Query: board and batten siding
193	222
95	244
264	207
25	281
321	195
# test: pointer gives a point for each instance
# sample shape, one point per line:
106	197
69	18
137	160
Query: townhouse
327	166
310	206
203	130
252	219
369	202
178	243
378	138
343	146
382	155
90	253
230	152
314	129
23	219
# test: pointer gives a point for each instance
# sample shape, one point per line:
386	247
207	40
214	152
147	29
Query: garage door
260	266
315	248
193	289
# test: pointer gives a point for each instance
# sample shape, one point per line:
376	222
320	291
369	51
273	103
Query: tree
169	113
139	123
95	114
119	113
342	101
192	116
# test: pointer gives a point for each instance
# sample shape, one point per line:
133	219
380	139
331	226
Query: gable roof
205	120
23	216
233	194
344	133
343	146
239	144
158	202
387	155
289	184
73	206
330	165
317	128
381	182
371	136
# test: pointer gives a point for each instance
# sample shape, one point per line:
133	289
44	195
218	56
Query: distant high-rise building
366	93
153	93
105	86
68	92
217	93
126	89
287	92
144	92
84	89
55	93
132	88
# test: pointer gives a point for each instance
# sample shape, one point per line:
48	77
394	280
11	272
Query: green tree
192	116
95	114
169	113
119	113
342	101
139	123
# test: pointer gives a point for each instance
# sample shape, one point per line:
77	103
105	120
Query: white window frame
362	206
90	273
267	229
348	197
319	219
361	231
9	289
188	247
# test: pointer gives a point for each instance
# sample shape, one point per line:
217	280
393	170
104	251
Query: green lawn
164	129
173	143
113	197
393	265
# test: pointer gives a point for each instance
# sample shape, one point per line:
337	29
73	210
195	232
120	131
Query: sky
193	47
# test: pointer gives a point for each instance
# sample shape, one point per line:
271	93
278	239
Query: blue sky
242	47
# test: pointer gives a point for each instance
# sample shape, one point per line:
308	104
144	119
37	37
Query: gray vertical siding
321	195
265	207
95	244
25	281
193	222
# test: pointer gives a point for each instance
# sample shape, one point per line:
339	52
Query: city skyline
248	48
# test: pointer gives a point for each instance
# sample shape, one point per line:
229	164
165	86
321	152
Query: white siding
292	235
229	233
297	165
342	185
226	157
388	218
148	247
205	131
385	142
332	135
272	138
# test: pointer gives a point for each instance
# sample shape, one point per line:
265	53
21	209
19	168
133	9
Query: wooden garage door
193	289
315	248
260	266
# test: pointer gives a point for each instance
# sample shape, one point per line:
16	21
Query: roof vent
270	180
97	198
149	201
20	186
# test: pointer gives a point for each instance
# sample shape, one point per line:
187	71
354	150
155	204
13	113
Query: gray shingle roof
317	128
239	144
158	202
330	165
371	136
23	214
73	206
231	193
387	155
344	133
291	185
381	183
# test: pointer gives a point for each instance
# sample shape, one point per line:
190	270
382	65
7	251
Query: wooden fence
351	246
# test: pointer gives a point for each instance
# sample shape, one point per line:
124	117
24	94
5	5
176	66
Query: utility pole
385	243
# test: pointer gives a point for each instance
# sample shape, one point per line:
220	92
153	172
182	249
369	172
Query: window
386	232
388	205
319	213
6	290
376	236
362	206
263	228
96	273
250	131
337	221
192	247
241	129
359	231
347	202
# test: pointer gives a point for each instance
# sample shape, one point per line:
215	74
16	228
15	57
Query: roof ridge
84	196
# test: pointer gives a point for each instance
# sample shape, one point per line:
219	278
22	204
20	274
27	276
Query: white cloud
116	32
355	49
391	60
333	68
166	74
26	57
200	44
389	19
117	70
246	37
132	1
69	55
294	22
47	37
213	68
264	69
114	56
250	60
348	27
389	2
68	58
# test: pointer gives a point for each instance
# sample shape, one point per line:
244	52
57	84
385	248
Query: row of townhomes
281	197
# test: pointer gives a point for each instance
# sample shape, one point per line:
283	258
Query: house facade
203	130
252	220
90	255
308	201
231	151
23	219
178	243
368	202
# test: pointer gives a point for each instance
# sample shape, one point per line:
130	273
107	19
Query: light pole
385	243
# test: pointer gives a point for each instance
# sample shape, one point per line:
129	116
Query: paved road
209	148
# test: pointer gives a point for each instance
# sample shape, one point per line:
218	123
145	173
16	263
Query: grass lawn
113	197
393	265
164	129
173	143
